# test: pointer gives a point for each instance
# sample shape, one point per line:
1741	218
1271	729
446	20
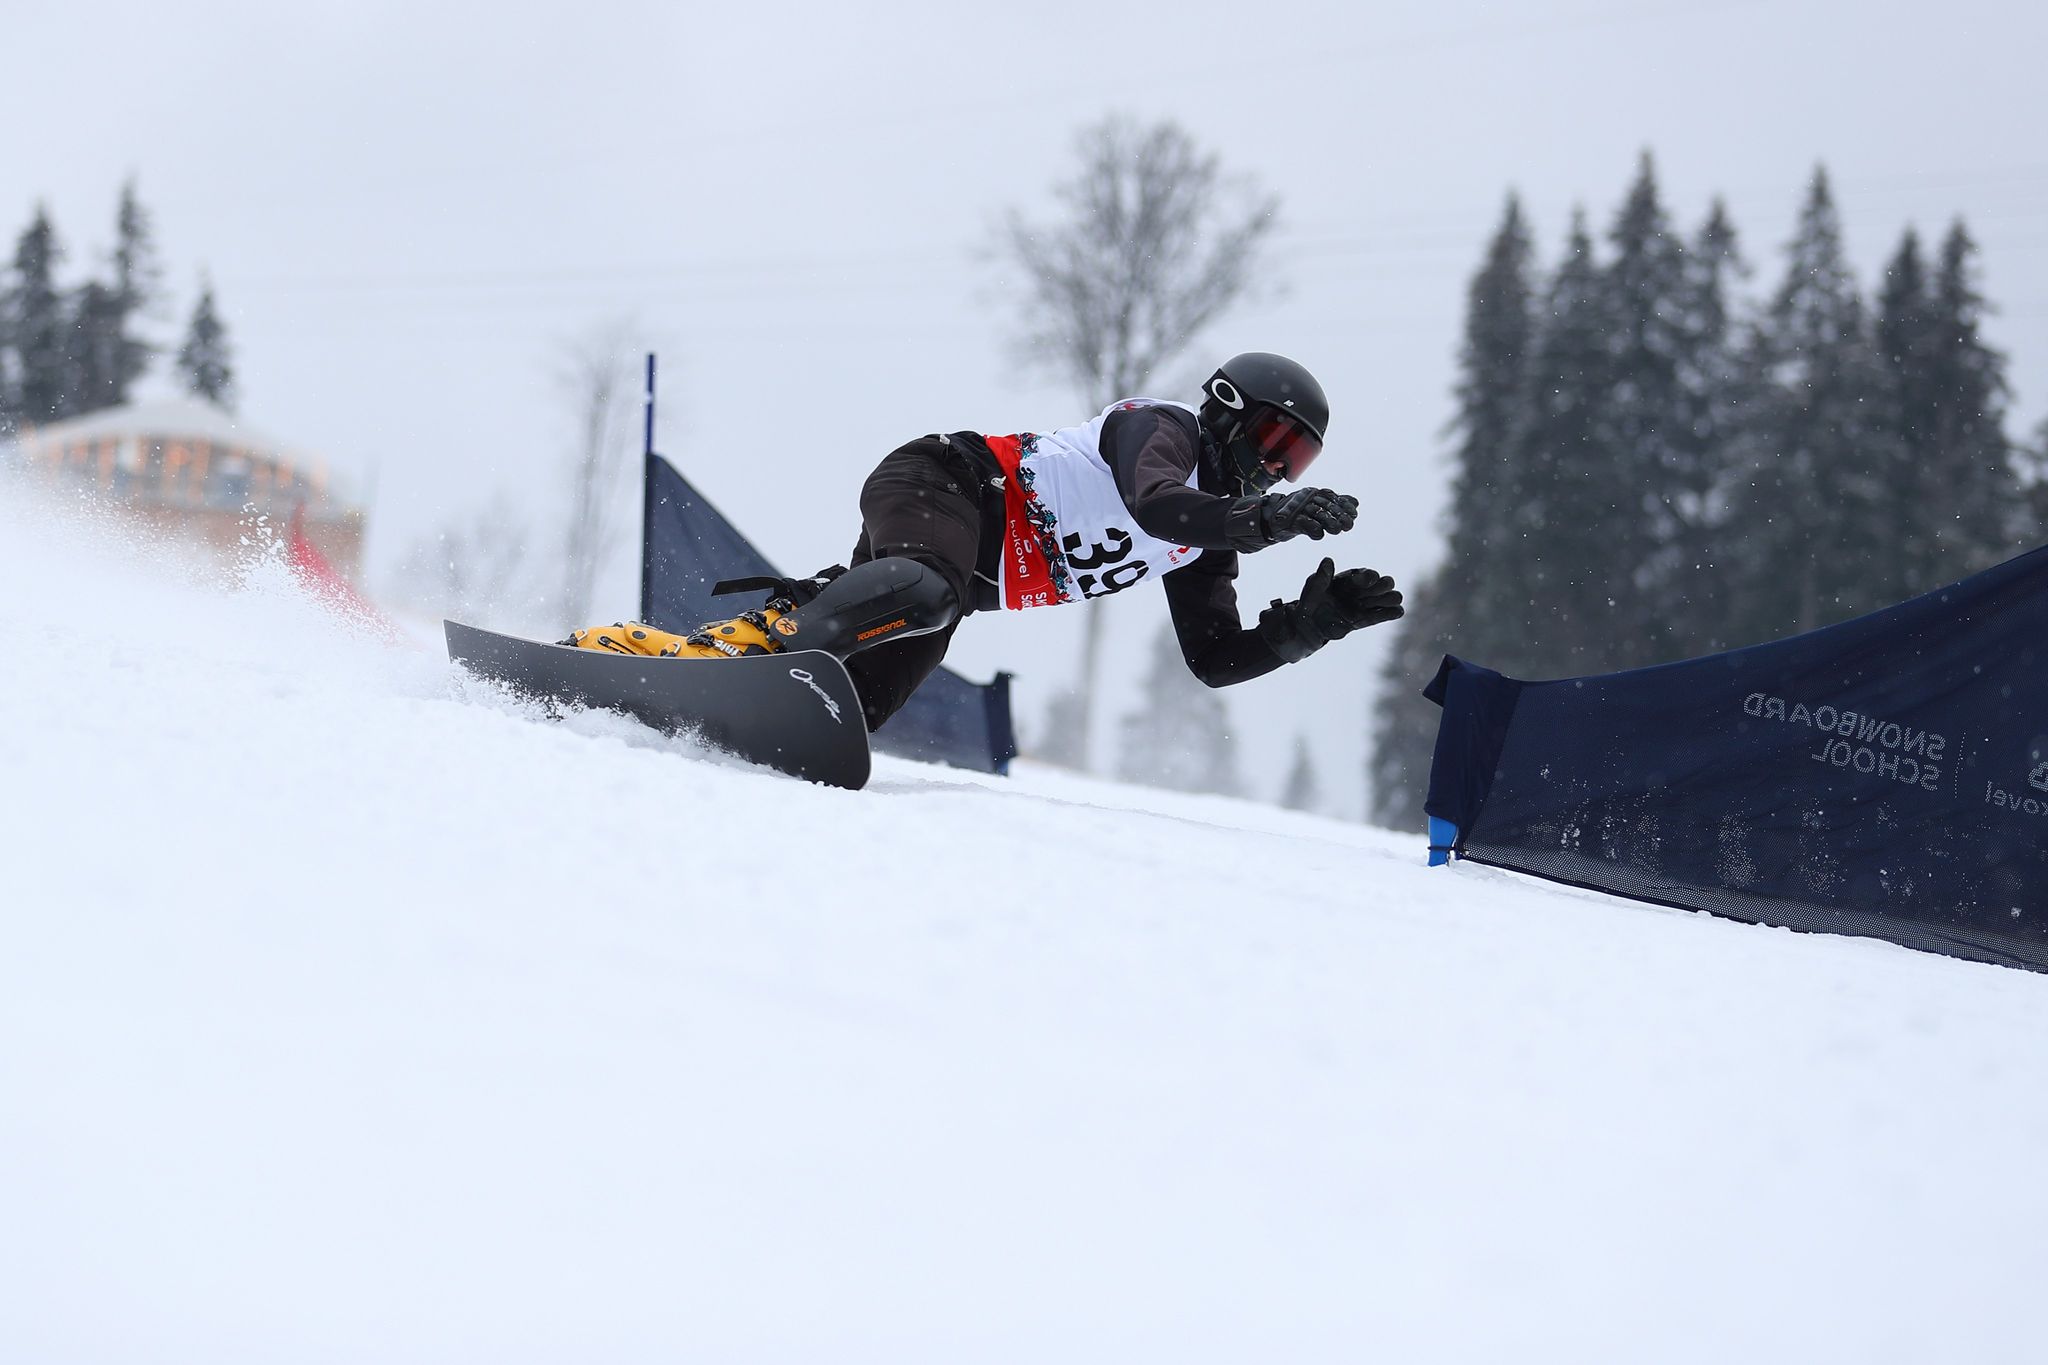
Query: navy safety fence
1885	777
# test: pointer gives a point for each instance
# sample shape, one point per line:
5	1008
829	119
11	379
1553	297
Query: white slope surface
351	1012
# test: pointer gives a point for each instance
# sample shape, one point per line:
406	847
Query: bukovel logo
2039	777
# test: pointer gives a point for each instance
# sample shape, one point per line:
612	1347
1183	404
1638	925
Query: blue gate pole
647	499
649	446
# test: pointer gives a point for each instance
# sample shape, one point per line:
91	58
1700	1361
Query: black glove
1330	607
1254	523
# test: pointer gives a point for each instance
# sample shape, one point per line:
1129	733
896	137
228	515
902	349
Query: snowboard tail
796	712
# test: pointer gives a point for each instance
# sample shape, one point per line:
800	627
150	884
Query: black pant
923	502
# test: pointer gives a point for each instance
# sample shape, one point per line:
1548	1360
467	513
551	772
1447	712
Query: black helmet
1268	414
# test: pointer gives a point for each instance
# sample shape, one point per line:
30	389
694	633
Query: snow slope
349	1011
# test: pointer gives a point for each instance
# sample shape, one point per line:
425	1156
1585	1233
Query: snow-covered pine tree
1302	791
1716	397
1179	737
205	360
1970	481
137	284
37	327
1816	542
1464	600
2033	462
7	381
1404	722
10	361
103	352
92	340
1062	738
1907	343
1646	436
1583	541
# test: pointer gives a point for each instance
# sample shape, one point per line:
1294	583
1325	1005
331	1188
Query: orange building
189	469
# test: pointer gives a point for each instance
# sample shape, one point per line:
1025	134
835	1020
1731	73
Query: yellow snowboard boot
748	633
629	637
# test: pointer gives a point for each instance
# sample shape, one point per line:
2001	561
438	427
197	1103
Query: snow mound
352	1010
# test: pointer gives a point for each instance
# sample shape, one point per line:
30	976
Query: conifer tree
1904	343
1968	474
1583	541
136	285
1717	395
1467	601
1909	344
1492	393
1060	740
103	352
1404	722
2033	462
93	350
205	360
1646	414
9	360
1302	791
1816	542
1179	737
38	328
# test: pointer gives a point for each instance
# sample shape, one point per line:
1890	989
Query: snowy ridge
348	1010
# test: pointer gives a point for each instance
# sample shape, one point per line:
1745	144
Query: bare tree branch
1155	244
595	376
477	567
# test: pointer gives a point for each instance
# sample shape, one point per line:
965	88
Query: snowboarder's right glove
1254	523
1330	607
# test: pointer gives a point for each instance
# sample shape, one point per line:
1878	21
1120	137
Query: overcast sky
406	208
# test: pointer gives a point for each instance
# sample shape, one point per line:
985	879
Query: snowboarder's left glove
1367	598
1330	607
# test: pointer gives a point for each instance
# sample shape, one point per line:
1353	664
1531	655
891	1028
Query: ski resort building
192	471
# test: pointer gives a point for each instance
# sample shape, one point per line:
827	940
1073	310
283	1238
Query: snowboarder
958	523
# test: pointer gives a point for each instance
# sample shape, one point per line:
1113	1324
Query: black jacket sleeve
1203	599
1151	451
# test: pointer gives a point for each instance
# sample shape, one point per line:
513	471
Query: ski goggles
1281	443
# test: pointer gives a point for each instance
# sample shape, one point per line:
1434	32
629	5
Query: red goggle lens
1277	437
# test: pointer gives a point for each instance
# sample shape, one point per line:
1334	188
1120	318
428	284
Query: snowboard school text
1860	743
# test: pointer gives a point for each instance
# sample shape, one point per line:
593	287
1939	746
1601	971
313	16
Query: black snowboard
796	712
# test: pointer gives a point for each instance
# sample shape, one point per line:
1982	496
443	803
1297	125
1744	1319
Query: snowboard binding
841	612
